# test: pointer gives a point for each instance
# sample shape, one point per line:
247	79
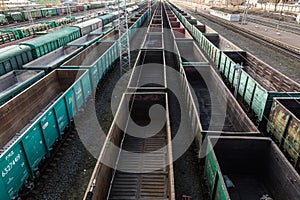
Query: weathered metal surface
149	71
97	58
221	43
181	33
16	81
153	41
189	51
146	177
284	126
211	94
155	28
47	107
85	40
259	81
248	168
54	59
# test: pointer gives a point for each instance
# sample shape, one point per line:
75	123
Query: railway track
289	27
280	47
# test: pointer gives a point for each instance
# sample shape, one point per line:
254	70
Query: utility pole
245	13
124	43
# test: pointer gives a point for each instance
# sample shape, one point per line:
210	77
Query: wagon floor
207	99
247	186
153	182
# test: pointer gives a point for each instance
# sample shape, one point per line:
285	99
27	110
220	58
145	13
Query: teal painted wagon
97	58
51	41
248	168
15	82
54	59
13	57
47	108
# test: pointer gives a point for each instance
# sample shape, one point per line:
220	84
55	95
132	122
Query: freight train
14	56
270	97
25	15
49	105
9	35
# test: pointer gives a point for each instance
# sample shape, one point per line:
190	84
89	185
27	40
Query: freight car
258	87
45	44
3	19
249	168
129	177
16	81
212	116
89	26
53	101
284	126
102	53
9	35
54	59
259	81
35	14
48	108
13	57
51	41
48	12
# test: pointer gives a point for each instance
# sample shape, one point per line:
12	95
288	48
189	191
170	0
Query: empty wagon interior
15	78
135	173
33	101
256	168
54	57
153	41
218	109
189	51
181	33
292	104
149	70
221	43
155	28
89	55
84	39
265	75
113	35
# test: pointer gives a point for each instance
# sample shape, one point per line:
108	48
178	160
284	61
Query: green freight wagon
259	82
248	168
97	58
53	59
48	12
51	41
13	57
16	81
17	16
47	108
284	126
106	19
6	37
3	19
33	13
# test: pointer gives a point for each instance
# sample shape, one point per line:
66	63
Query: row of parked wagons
236	166
11	17
50	104
7	36
271	97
